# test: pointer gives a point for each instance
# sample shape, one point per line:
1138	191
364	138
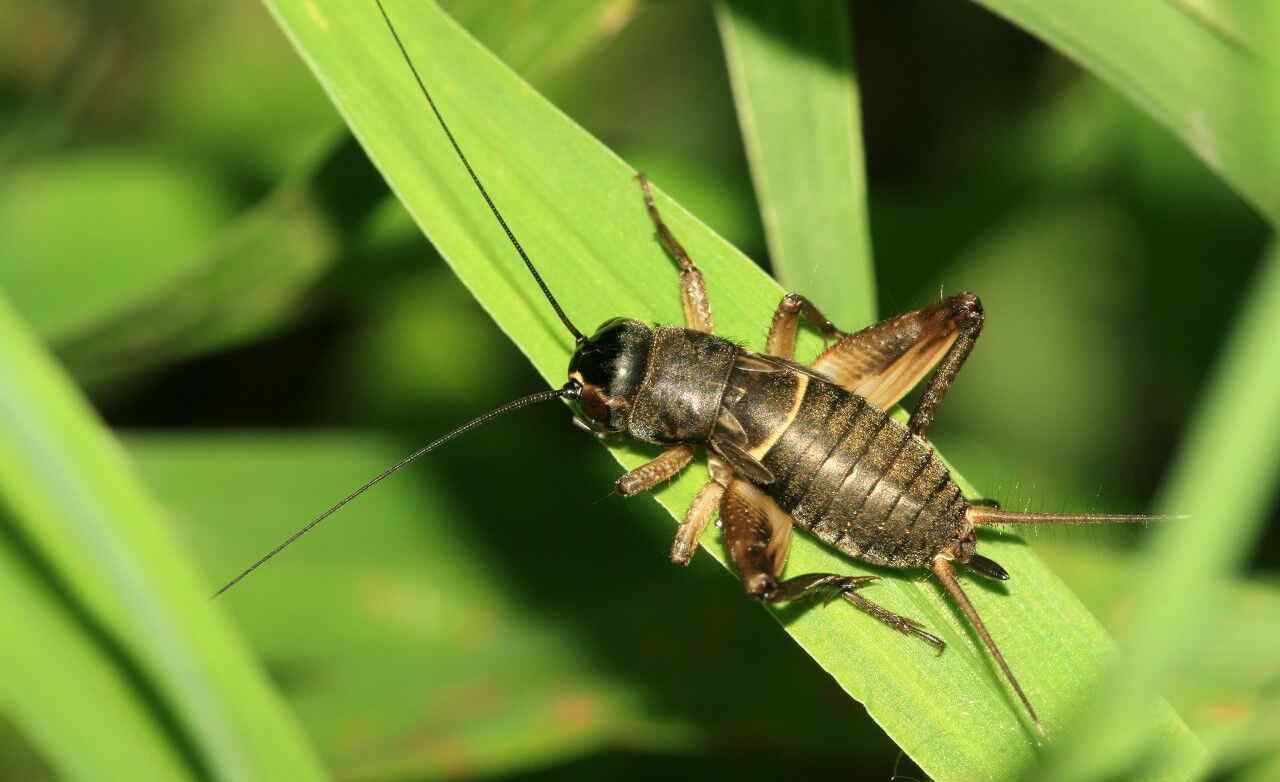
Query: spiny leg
693	289
967	315
695	522
786	322
757	533
884	361
700	511
665	466
831	585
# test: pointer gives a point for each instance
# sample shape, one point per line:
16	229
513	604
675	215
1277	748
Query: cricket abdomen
846	471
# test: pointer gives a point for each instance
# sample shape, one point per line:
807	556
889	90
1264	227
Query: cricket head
609	365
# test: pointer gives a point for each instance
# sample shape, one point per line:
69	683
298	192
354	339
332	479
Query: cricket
787	444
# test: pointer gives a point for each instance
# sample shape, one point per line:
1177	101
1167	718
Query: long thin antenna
947	575
570	389
577	335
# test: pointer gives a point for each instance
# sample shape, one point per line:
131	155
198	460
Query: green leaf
120	737
578	212
1222	482
94	534
1183	63
1263	771
794	84
257	275
148	211
543	41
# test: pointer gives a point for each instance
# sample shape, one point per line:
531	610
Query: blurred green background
186	226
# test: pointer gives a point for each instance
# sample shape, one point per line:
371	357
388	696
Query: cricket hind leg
757	533
693	289
884	361
968	317
829	586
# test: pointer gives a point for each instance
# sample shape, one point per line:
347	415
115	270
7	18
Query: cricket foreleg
693	289
666	466
967	315
786	322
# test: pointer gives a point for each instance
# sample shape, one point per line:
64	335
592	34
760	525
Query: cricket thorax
683	386
844	469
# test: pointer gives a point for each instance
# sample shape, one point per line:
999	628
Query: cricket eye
614	358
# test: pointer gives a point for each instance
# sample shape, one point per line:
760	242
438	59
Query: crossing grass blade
78	517
578	212
1222	482
45	707
1205	70
796	92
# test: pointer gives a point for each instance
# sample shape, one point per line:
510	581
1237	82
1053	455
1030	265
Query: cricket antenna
947	575
569	390
578	336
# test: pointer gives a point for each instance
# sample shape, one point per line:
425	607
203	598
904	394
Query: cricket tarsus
570	389
578	336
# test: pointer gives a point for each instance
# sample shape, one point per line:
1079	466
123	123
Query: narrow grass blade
92	529
792	71
120	737
578	212
1224	478
1182	64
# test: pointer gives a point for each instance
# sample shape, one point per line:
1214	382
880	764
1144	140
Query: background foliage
218	268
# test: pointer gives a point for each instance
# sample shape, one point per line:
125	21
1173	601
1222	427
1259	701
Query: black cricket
787	444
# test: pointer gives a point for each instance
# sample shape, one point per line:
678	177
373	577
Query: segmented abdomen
851	475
